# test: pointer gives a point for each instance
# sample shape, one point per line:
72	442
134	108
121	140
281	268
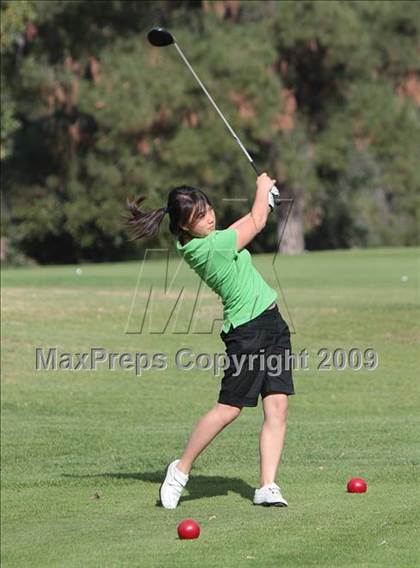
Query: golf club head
160	37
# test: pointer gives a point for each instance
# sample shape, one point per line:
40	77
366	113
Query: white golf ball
404	278
78	271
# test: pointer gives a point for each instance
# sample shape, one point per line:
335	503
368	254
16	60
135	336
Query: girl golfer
252	326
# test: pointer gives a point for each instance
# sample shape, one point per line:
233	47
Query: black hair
183	201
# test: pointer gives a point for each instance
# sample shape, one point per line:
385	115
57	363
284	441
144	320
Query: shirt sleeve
224	243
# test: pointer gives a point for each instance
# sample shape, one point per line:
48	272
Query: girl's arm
239	221
248	227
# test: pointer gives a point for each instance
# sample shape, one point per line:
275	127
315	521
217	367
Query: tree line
324	94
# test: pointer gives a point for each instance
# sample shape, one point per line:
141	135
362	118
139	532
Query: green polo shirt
229	273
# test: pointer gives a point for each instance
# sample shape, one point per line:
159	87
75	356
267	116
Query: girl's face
203	225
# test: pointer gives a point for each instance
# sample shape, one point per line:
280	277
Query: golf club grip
274	194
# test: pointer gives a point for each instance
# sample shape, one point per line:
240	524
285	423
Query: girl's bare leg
272	435
205	431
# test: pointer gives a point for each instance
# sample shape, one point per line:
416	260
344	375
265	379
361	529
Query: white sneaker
269	495
171	489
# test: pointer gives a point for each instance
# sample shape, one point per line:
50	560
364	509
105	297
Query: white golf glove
274	198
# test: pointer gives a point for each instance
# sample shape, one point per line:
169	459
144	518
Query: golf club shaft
244	150
274	194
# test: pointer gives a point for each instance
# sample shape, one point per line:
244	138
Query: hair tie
166	210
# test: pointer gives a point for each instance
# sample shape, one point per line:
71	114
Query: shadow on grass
199	486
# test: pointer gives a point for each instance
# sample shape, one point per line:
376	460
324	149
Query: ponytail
185	204
142	224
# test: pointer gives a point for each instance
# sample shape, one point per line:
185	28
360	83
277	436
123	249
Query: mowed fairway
68	435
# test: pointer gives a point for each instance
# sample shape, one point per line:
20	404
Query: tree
16	28
325	96
351	68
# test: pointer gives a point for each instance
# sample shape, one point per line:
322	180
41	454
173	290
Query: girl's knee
275	407
228	412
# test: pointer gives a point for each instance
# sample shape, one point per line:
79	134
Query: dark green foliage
322	93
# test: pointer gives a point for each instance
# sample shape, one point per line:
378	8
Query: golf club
159	37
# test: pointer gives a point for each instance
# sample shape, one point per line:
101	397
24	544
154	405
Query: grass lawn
69	435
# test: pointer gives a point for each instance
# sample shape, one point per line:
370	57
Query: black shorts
267	338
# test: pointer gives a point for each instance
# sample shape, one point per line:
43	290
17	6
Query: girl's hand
265	183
